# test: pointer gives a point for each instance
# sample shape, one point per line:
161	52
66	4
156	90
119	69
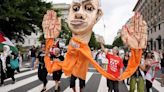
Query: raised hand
134	33
100	39
51	24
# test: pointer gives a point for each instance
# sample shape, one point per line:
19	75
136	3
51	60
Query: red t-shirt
115	63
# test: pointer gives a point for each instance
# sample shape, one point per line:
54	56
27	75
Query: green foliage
19	18
41	38
118	42
65	33
108	46
93	42
20	48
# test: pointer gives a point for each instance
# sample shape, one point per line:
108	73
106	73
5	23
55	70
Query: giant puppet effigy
83	15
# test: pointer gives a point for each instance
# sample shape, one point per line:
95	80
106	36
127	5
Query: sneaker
43	90
59	88
13	82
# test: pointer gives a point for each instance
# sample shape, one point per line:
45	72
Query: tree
118	42
66	32
108	46
93	42
18	18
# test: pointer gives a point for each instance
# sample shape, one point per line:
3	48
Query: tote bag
14	63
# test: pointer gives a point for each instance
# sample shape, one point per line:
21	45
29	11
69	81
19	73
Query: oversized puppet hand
51	24
134	33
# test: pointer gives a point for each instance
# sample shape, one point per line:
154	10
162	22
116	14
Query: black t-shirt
41	57
137	73
61	58
7	62
125	62
33	53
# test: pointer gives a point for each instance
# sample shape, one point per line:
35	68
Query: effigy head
83	15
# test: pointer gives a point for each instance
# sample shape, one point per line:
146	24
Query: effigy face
83	15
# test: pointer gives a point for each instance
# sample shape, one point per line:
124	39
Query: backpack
14	63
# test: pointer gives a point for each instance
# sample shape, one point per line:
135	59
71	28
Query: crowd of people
151	62
9	62
109	59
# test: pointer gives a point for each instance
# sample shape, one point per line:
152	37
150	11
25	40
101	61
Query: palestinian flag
6	41
151	73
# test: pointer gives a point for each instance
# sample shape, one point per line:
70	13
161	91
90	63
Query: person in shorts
57	74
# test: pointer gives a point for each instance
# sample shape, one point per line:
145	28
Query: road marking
19	84
68	89
102	85
22	74
157	86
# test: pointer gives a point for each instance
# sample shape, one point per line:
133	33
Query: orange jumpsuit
79	56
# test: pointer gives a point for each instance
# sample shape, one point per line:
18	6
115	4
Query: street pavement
27	81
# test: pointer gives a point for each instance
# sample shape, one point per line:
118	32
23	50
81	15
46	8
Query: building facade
153	14
64	9
33	39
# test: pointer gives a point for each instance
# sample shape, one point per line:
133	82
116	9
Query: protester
42	71
14	62
20	59
99	58
33	56
125	62
6	70
162	69
151	66
28	55
115	65
57	74
138	78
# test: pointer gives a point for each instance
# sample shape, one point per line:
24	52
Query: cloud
116	13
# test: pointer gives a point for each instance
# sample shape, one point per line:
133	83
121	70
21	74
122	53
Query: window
159	9
159	26
154	45
159	44
155	28
151	7
163	43
28	41
151	44
151	30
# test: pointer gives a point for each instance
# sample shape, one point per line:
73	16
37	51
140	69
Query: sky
116	14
